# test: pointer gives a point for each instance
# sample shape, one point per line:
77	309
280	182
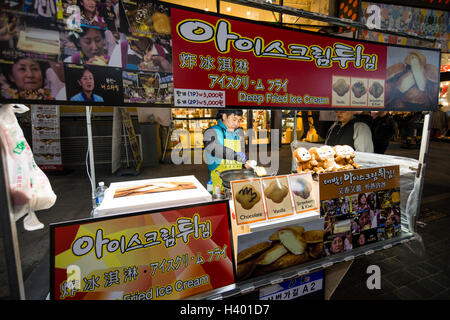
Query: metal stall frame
12	254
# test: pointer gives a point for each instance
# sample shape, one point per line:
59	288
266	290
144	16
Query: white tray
140	201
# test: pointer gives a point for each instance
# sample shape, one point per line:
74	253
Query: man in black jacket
383	129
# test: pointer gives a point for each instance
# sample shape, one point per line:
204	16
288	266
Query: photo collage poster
365	214
110	52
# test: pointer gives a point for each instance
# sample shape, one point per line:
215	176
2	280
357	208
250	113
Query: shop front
267	231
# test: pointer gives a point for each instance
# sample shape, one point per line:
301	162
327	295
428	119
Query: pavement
416	270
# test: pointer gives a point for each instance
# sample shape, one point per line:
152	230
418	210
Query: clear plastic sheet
409	184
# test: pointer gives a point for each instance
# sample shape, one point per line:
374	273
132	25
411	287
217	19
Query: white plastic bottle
100	193
209	187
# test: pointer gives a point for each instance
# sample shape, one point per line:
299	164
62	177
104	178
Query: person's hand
241	157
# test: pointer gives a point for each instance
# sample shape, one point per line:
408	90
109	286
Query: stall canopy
179	57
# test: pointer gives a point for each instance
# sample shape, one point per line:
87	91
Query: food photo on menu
89	83
32	33
412	78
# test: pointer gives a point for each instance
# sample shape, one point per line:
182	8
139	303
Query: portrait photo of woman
90	14
363	204
91	83
87	84
336	245
26	79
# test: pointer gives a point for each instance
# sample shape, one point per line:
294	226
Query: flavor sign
166	254
261	65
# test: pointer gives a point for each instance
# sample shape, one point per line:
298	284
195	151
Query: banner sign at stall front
344	183
359	207
264	66
150	48
166	254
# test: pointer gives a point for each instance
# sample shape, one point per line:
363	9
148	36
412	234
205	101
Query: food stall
272	228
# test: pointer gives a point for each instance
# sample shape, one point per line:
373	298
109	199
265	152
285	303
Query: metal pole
10	241
91	153
424	143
